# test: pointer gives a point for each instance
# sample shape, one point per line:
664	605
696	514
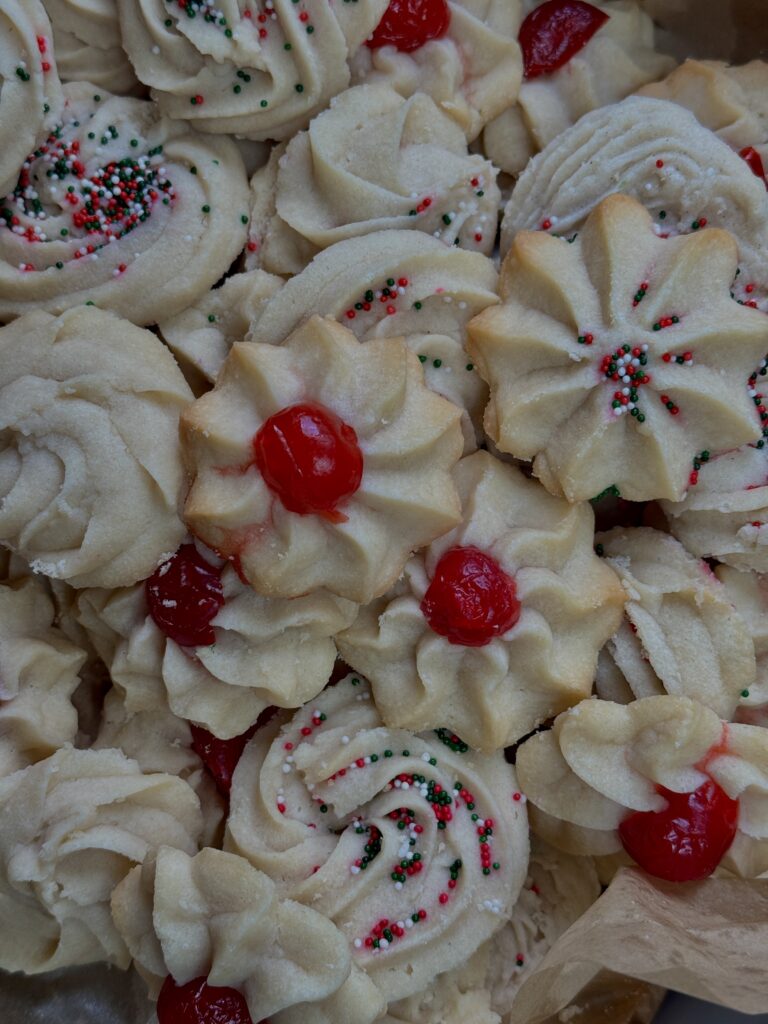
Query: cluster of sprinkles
21	71
626	366
465	210
759	400
387	296
698	462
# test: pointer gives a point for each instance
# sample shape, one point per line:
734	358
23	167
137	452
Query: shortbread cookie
462	53
616	360
614	61
71	827
258	73
321	463
663	777
214	916
748	593
89	46
30	98
416	850
121	208
725	516
681	634
497	625
90	472
197	637
456	997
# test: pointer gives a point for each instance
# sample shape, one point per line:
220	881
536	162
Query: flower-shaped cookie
71	827
681	634
321	463
725	516
250	652
462	53
414	847
663	777
617	359
616	60
90	471
258	72
215	916
30	97
373	162
496	626
88	45
121	208
748	593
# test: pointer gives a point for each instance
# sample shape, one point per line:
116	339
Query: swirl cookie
415	850
89	47
496	626
89	406
121	208
321	462
617	360
260	72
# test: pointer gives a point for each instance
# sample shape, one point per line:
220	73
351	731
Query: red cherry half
184	595
197	1002
310	459
556	31
687	840
408	24
220	757
471	599
754	161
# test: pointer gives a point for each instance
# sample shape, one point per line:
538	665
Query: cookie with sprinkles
681	792
616	359
30	97
121	208
321	463
259	69
496	626
89	47
373	161
463	54
415	847
681	633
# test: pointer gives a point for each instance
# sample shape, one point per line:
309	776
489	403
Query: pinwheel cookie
462	53
664	778
71	827
214	925
89	413
260	72
617	360
496	626
321	463
88	45
415	849
121	208
196	636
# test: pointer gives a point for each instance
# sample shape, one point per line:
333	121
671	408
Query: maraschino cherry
754	161
310	459
687	840
219	756
471	599
184	595
554	32
197	1002
408	24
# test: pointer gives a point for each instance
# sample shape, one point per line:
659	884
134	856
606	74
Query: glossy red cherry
184	595
310	458
554	32
408	24
687	840
220	757
471	599
754	161
197	1002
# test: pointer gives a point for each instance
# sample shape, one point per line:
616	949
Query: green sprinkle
211	318
263	103
243	218
447	218
167	22
193	169
299	87
235	88
437	363
287	46
417	305
134	143
422	359
97	98
310	29
206	208
745	693
59	265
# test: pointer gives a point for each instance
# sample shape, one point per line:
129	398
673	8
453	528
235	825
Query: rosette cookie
196	636
748	593
613	61
121	208
415	849
496	626
321	462
462	53
618	360
373	162
38	675
260	72
30	90
663	778
90	472
214	919
71	827
725	516
88	45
